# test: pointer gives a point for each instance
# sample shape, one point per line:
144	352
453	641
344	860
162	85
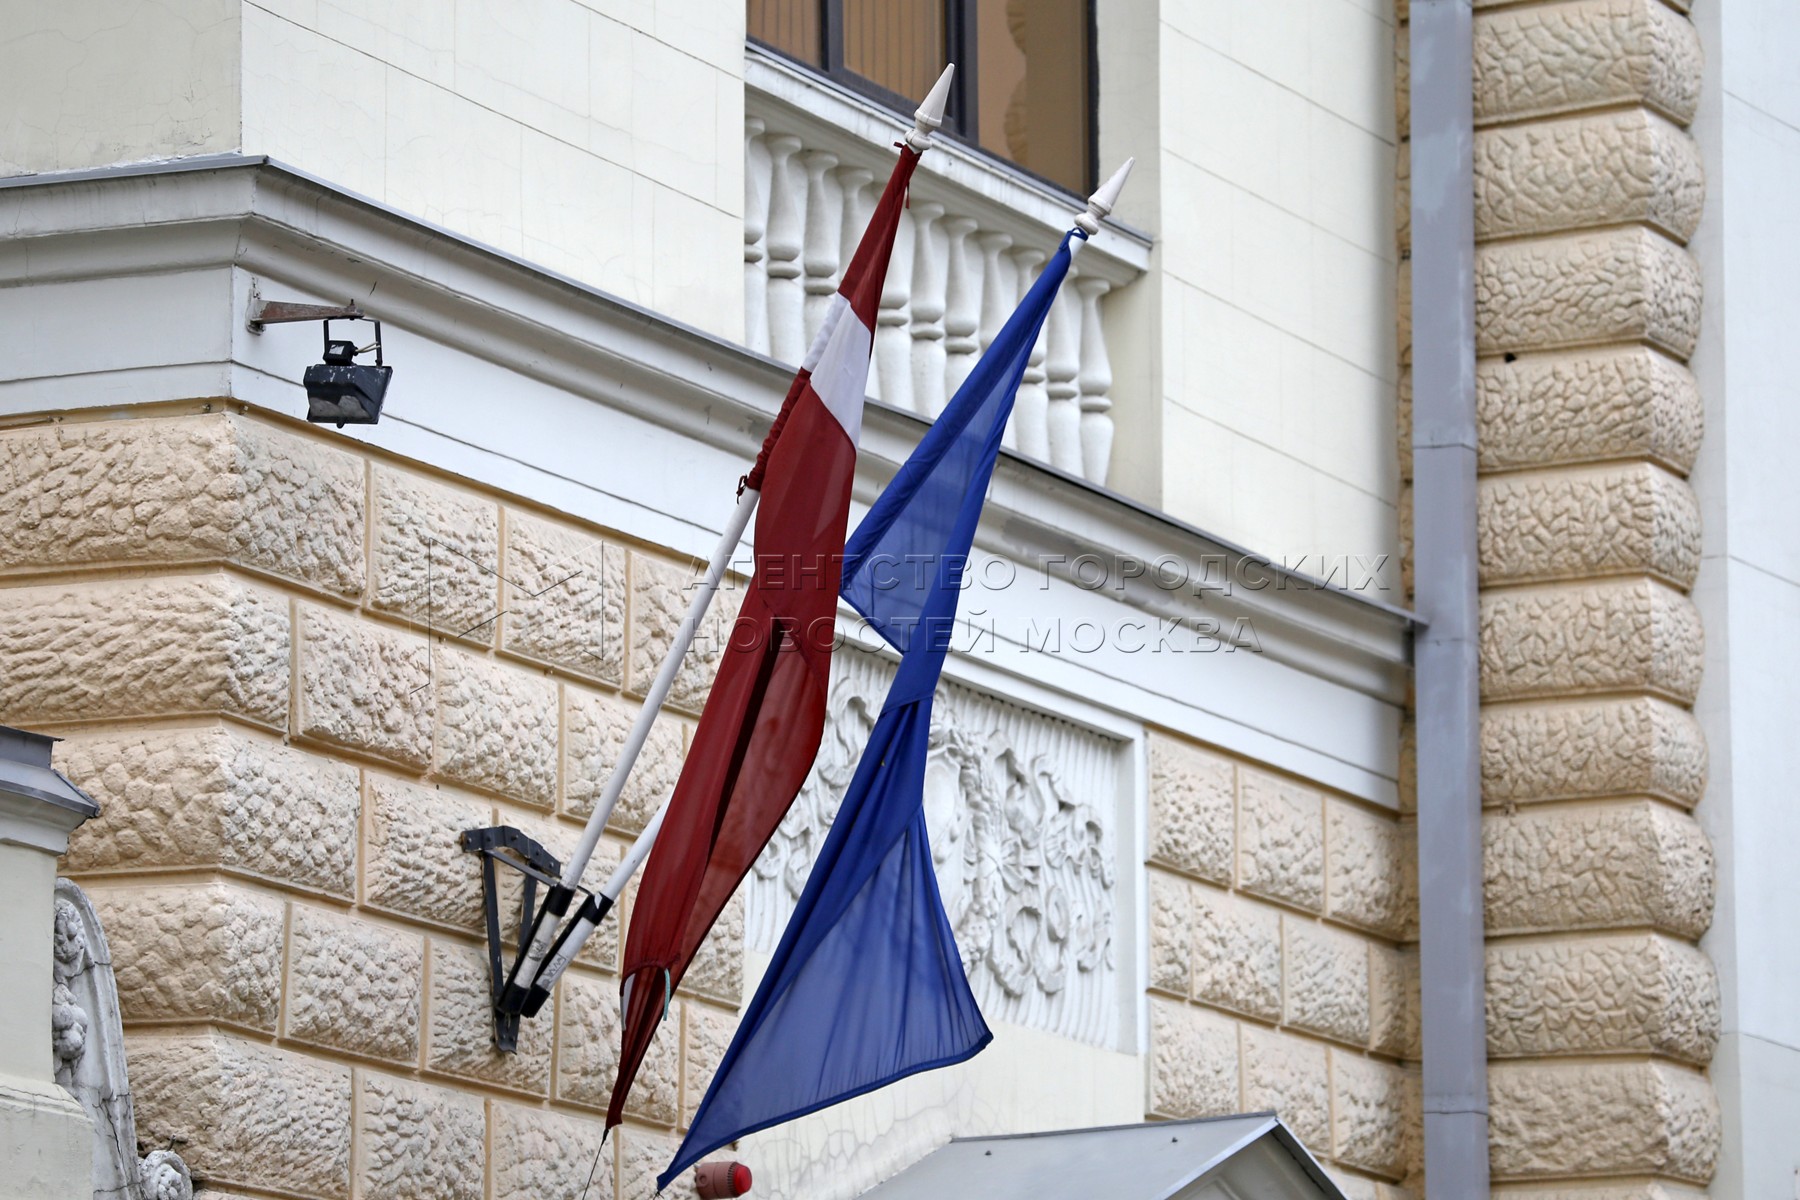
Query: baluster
787	325
927	311
859	205
824	227
756	219
962	306
1031	409
1095	380
893	341
1061	363
997	289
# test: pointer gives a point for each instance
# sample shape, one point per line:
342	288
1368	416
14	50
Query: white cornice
249	217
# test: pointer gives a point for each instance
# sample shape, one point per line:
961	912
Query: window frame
961	113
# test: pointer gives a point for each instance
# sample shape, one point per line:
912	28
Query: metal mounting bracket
280	312
507	844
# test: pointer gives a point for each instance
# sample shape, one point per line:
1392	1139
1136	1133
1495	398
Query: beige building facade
294	663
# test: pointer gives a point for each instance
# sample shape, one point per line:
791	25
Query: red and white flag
763	720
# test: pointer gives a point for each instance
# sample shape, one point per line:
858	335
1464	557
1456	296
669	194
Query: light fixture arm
283	312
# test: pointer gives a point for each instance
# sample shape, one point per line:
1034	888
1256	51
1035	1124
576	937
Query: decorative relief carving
1020	806
88	1046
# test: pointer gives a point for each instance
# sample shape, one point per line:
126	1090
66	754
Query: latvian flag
766	712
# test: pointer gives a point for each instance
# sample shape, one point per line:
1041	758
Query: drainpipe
1447	684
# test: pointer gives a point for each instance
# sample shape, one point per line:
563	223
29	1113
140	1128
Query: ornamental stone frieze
1021	807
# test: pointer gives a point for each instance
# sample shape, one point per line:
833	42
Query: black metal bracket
505	844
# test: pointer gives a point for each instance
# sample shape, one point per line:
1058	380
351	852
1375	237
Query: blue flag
866	986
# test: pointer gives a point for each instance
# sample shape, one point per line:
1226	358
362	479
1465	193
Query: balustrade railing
969	245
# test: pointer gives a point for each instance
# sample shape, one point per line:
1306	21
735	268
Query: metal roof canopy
1210	1158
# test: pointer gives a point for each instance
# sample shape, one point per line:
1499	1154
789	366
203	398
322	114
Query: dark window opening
1024	81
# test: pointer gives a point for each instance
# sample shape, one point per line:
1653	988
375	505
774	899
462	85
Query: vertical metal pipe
1447	689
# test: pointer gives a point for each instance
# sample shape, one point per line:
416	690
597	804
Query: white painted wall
600	140
1270	128
1749	586
88	83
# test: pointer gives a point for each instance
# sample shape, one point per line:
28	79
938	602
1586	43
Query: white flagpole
518	994
1099	206
513	997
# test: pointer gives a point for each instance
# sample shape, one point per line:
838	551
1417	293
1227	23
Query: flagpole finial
1104	199
930	114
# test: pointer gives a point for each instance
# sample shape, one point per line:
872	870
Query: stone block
1289	1075
1591	405
179	490
705	1037
1557	58
1403	196
588	1053
1394	1002
194	952
1616	168
564	595
1236	953
660	595
1561	1119
215	798
1370	870
1617	866
365	687
353	985
419	1142
244	1114
417	866
587	1043
1581	522
435	553
1636	994
1191	816
1406	782
460	1026
1171	932
1354	1187
1326	980
496	728
643	1153
594	730
200	644
1592	748
717	971
1627	635
1374	1112
1403	534
1403	318
1281	839
1621	285
1193	1061
538	1155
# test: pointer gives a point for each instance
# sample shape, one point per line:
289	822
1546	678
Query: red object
763	720
716	1180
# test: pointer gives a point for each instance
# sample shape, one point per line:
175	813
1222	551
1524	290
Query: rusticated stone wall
227	618
1281	975
1602	1013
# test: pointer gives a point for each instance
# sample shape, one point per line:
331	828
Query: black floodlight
343	391
339	391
